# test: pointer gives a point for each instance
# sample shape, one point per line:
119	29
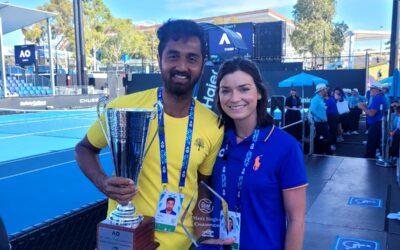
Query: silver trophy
126	133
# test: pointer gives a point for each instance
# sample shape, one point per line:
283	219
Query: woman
292	115
338	95
260	170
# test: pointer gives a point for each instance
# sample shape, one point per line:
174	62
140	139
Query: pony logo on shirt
257	163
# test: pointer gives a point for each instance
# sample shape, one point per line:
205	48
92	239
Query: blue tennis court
39	178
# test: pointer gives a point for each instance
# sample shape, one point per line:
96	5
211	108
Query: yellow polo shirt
206	141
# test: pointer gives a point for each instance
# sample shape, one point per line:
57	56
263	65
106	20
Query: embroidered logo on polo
257	162
199	143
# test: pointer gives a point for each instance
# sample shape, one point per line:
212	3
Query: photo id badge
168	210
232	230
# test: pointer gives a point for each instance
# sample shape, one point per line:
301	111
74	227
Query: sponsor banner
208	88
24	55
50	102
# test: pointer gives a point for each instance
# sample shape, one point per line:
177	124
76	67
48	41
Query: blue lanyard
161	136
246	163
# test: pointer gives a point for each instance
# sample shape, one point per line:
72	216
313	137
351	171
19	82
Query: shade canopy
15	17
302	79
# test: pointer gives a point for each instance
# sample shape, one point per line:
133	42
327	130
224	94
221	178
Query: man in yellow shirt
181	54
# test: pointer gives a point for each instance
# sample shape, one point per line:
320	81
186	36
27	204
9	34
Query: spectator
355	111
374	118
293	107
318	111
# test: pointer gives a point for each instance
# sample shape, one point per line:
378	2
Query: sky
357	14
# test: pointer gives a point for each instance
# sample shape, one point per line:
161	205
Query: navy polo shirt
375	104
276	164
331	107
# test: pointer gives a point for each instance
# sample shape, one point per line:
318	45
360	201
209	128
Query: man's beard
179	90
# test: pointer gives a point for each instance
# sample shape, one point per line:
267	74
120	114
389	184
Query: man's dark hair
170	199
180	29
240	64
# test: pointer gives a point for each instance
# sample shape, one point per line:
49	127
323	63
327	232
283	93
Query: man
169	206
355	111
318	111
374	118
173	164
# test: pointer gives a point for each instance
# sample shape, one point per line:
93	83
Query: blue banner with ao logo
220	45
24	55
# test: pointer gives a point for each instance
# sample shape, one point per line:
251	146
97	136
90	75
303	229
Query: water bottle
277	114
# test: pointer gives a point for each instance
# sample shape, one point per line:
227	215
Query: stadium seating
19	87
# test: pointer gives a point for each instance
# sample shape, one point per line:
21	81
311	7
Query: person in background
395	134
260	168
181	53
345	118
385	90
293	107
318	111
374	118
338	95
347	93
333	119
355	111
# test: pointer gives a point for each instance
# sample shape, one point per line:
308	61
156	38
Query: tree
33	33
62	24
315	32
123	38
112	36
97	17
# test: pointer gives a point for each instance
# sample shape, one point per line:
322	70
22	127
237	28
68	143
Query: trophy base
110	236
125	216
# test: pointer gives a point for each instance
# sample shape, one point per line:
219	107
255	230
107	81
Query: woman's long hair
240	64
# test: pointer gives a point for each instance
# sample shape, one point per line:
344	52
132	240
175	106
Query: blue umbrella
387	80
302	79
394	81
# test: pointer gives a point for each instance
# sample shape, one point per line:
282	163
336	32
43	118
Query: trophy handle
101	110
153	116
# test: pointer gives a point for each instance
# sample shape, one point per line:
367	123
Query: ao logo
25	53
225	40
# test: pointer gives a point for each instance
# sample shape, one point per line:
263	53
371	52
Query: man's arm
369	112
119	189
295	206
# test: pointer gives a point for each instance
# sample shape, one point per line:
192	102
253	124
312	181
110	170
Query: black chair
4	244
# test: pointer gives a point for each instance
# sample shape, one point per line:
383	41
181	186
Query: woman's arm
295	207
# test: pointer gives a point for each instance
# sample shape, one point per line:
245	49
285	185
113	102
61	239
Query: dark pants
333	120
374	139
354	118
321	145
394	148
292	116
345	121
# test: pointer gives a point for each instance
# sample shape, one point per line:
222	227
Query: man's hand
362	105
120	189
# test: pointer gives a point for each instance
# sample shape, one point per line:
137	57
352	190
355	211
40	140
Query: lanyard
161	136
245	165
